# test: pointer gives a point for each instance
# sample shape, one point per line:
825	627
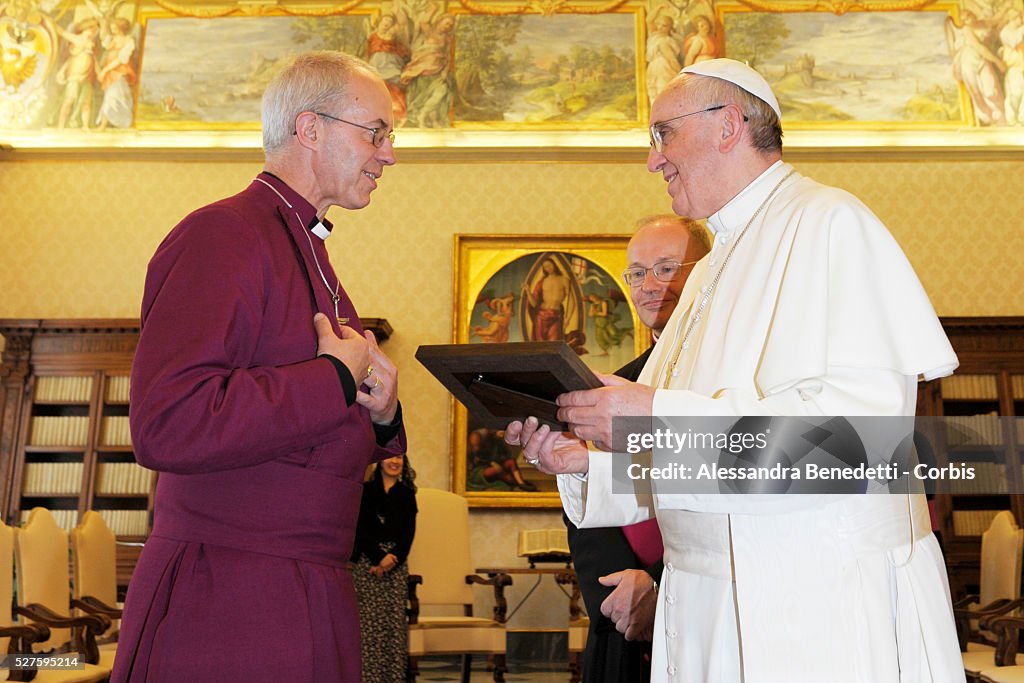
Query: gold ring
369	370
377	384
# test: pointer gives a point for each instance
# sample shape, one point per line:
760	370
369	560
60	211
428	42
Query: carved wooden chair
44	589
1002	549
94	574
19	639
1006	669
440	565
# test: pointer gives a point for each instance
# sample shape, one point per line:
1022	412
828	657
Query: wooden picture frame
511	381
500	291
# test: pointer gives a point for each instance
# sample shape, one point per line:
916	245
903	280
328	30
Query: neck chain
336	292
706	299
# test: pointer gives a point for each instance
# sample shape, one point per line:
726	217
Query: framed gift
534	288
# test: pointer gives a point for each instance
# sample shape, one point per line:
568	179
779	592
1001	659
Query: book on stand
544	545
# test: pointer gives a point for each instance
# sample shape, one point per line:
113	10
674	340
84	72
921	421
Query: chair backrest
6	580
1002	550
94	559
41	562
440	550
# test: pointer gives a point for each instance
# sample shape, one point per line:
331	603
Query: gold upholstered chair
23	638
1002	550
94	576
44	589
441	580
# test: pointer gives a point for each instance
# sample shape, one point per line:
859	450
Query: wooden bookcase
64	442
988	383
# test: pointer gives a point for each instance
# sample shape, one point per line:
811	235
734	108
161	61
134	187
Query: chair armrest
22	636
91	605
499	581
966	601
413	610
988	615
85	627
1006	628
963	618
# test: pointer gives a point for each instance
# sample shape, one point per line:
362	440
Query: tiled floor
448	670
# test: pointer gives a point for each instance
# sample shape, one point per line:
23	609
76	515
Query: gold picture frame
500	295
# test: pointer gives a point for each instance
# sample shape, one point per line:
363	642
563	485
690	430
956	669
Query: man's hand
382	398
632	604
589	412
351	349
549	451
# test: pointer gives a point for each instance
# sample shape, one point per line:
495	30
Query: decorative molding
544	7
257	8
836	6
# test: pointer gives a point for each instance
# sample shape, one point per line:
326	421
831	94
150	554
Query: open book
540	544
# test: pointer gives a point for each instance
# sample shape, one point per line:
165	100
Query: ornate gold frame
477	258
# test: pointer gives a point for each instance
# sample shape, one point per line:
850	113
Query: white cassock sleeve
610	508
592	502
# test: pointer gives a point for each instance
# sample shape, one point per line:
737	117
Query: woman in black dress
387	524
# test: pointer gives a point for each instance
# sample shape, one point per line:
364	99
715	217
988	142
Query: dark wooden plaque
500	383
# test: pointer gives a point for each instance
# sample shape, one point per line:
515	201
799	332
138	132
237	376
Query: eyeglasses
658	136
664	271
380	134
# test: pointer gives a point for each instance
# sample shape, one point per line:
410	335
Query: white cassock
818	312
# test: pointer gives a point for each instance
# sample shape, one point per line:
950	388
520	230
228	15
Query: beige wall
75	236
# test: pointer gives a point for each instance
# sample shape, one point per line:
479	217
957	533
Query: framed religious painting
534	288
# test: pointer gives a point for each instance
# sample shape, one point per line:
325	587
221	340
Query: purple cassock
261	460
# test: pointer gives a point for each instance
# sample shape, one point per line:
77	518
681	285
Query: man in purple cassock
259	400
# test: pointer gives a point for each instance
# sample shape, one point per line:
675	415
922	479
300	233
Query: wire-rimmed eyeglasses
658	136
380	133
663	271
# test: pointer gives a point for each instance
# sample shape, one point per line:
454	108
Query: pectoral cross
336	298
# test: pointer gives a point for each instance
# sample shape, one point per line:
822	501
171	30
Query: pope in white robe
806	306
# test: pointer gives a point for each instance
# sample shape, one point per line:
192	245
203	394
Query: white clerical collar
737	212
321	227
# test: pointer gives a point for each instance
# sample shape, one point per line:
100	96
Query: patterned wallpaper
75	237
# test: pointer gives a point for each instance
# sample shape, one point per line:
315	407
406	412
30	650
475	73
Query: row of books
70	389
73	430
117	389
114	431
123	477
989	477
78	389
51	477
126	522
980	387
61	430
964	430
972	522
